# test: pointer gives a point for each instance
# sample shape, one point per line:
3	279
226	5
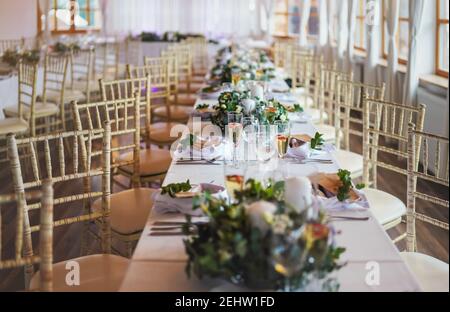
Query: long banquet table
158	263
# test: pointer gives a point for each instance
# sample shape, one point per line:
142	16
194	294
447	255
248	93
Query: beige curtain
44	7
391	74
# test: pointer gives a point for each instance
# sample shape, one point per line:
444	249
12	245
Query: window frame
286	14
440	22
73	29
360	22
383	33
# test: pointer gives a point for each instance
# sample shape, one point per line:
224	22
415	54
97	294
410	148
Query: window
402	31
360	40
442	38
70	16
287	18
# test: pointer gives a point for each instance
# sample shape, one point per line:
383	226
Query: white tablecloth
158	262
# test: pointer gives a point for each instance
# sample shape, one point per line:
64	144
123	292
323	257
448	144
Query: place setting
243	149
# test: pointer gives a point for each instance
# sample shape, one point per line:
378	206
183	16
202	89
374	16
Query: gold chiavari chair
383	132
200	62
55	72
101	272
306	84
82	84
25	122
11	44
176	108
348	118
107	61
431	273
129	209
184	54
45	257
327	102
158	133
133	51
154	163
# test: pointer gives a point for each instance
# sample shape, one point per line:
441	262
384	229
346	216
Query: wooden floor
67	239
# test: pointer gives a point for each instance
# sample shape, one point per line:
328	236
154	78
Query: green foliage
175	188
12	57
229	247
317	142
346	185
202	106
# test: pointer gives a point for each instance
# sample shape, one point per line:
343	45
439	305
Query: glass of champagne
283	129
234	175
235	76
235	128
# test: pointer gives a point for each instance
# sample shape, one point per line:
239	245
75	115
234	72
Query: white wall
18	18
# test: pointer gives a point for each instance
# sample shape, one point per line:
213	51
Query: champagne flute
235	128
265	147
283	134
234	174
235	76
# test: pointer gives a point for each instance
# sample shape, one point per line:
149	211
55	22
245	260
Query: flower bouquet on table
12	57
271	238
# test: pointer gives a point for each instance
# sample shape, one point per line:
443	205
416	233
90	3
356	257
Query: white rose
223	106
260	214
238	109
283	118
249	105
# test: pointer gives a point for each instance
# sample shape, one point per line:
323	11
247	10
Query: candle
298	193
257	91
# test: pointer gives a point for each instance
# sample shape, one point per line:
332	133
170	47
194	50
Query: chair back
28	75
348	114
82	69
45	257
386	135
64	167
433	155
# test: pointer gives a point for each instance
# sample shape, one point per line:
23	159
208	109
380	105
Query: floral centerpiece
61	47
266	111
12	57
262	242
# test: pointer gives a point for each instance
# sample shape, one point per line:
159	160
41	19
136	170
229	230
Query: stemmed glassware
235	128
234	175
283	129
265	142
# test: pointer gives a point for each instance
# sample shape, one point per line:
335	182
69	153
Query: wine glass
265	147
235	76
288	255
283	134
235	128
234	175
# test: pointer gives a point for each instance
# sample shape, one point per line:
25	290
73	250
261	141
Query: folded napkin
166	204
203	149
328	184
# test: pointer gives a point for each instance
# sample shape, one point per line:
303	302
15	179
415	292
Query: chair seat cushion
129	209
329	132
385	207
431	273
81	85
12	125
314	113
153	162
184	100
160	132
40	110
98	273
350	161
69	96
176	112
